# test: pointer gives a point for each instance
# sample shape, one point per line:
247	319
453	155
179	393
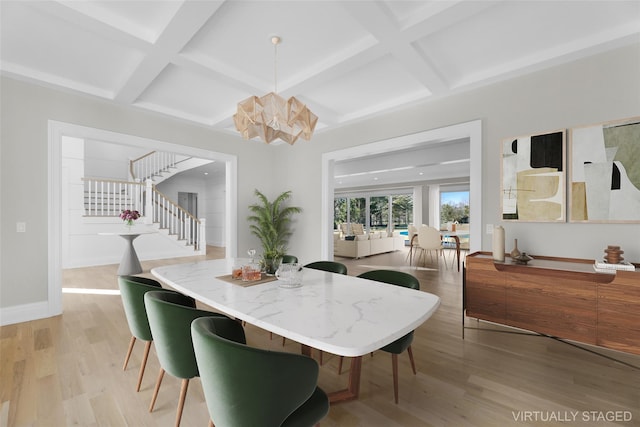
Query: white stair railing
176	219
151	164
105	197
108	197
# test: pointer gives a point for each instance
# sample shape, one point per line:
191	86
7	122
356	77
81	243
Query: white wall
434	206
25	112
592	90
214	210
105	160
211	203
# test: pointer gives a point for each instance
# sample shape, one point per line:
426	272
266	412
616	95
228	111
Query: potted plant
271	224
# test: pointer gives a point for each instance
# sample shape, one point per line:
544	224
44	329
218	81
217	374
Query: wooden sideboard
561	297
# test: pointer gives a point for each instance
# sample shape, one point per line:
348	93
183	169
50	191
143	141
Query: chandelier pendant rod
276	41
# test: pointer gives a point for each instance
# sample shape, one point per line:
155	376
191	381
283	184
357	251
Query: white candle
498	243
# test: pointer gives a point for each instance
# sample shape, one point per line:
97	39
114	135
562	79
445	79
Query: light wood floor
67	370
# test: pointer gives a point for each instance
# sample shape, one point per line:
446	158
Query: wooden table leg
457	239
353	386
305	349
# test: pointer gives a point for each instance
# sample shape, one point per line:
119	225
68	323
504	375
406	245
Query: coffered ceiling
348	60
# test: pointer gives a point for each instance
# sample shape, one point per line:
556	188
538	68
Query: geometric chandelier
271	117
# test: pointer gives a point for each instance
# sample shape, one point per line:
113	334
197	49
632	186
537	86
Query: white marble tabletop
340	314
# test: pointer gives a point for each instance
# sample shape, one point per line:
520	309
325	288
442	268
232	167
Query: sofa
362	245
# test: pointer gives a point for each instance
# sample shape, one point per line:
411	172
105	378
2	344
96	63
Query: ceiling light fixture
271	117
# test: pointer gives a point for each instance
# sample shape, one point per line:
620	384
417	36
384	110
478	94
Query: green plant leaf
271	223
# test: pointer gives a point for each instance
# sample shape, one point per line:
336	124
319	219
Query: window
454	206
378	213
358	210
380	209
402	211
339	212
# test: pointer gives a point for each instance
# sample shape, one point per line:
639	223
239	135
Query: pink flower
129	215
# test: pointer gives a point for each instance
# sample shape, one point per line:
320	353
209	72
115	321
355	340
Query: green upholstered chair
287	259
132	290
332	266
247	387
170	316
398	278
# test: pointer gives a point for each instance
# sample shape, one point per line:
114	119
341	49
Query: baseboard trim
24	313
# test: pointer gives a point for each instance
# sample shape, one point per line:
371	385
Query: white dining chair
429	239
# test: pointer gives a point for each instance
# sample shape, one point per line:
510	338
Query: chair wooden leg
444	258
155	391
394	363
413	364
183	396
126	358
143	364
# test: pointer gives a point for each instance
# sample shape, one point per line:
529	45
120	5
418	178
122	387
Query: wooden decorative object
614	255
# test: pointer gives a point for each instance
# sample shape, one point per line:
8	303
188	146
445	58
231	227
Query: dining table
335	313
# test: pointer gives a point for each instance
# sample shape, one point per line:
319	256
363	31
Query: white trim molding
25	312
53	306
471	130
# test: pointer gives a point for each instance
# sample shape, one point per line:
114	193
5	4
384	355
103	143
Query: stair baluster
104	197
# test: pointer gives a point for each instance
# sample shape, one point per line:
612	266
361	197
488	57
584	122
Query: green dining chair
170	316
397	347
132	290
288	259
332	266
247	387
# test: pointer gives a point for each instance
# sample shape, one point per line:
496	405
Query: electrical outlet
21	227
489	228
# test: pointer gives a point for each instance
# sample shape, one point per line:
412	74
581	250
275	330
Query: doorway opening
59	130
471	130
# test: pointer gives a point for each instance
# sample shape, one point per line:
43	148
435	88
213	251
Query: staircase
159	165
108	198
105	197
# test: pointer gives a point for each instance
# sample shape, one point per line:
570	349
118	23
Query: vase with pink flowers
129	216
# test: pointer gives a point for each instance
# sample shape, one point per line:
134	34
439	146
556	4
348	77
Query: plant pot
271	265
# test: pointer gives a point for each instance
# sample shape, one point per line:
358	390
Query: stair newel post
148	202
202	237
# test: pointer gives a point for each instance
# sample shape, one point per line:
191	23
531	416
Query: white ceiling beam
377	21
88	23
187	21
441	15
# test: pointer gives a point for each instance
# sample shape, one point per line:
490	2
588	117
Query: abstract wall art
533	178
604	183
